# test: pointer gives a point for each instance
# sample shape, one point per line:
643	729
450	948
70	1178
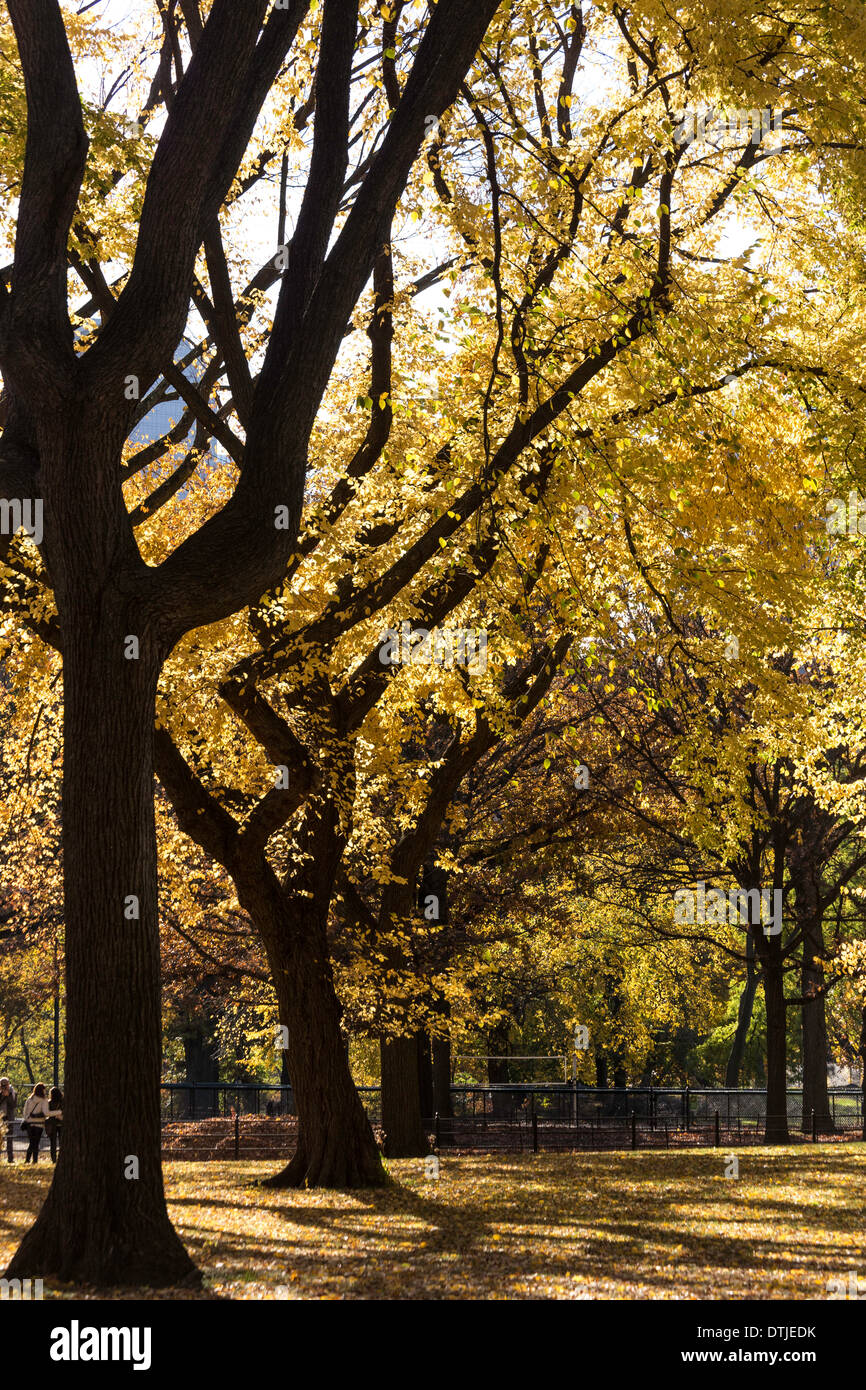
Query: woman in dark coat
54	1123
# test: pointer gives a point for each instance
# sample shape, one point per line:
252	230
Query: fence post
814	1126
686	1105
535	1134
717	1129
436	1126
667	1136
237	1135
633	1130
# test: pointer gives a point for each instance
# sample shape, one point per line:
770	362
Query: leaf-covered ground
620	1225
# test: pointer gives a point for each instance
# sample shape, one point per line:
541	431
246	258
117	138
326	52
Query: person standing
33	1118
54	1123
8	1101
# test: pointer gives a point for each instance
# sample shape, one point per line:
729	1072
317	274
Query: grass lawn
622	1225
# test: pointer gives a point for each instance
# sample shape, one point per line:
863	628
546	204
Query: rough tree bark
115	1229
336	1146
401	1099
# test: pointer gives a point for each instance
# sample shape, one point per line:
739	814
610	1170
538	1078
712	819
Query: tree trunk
442	1077
435	880
498	1070
25	1052
104	1220
774	999
200	1065
816	1097
425	1074
286	1081
401	1099
336	1146
744	1017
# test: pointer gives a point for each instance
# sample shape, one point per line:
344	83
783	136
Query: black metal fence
181	1101
655	1109
537	1135
578	1117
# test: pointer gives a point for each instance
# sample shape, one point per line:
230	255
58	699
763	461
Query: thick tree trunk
777	1083
744	1016
336	1145
401	1099
104	1220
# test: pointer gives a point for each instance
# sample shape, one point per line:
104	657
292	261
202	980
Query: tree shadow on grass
22	1193
655	1244
574	1227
